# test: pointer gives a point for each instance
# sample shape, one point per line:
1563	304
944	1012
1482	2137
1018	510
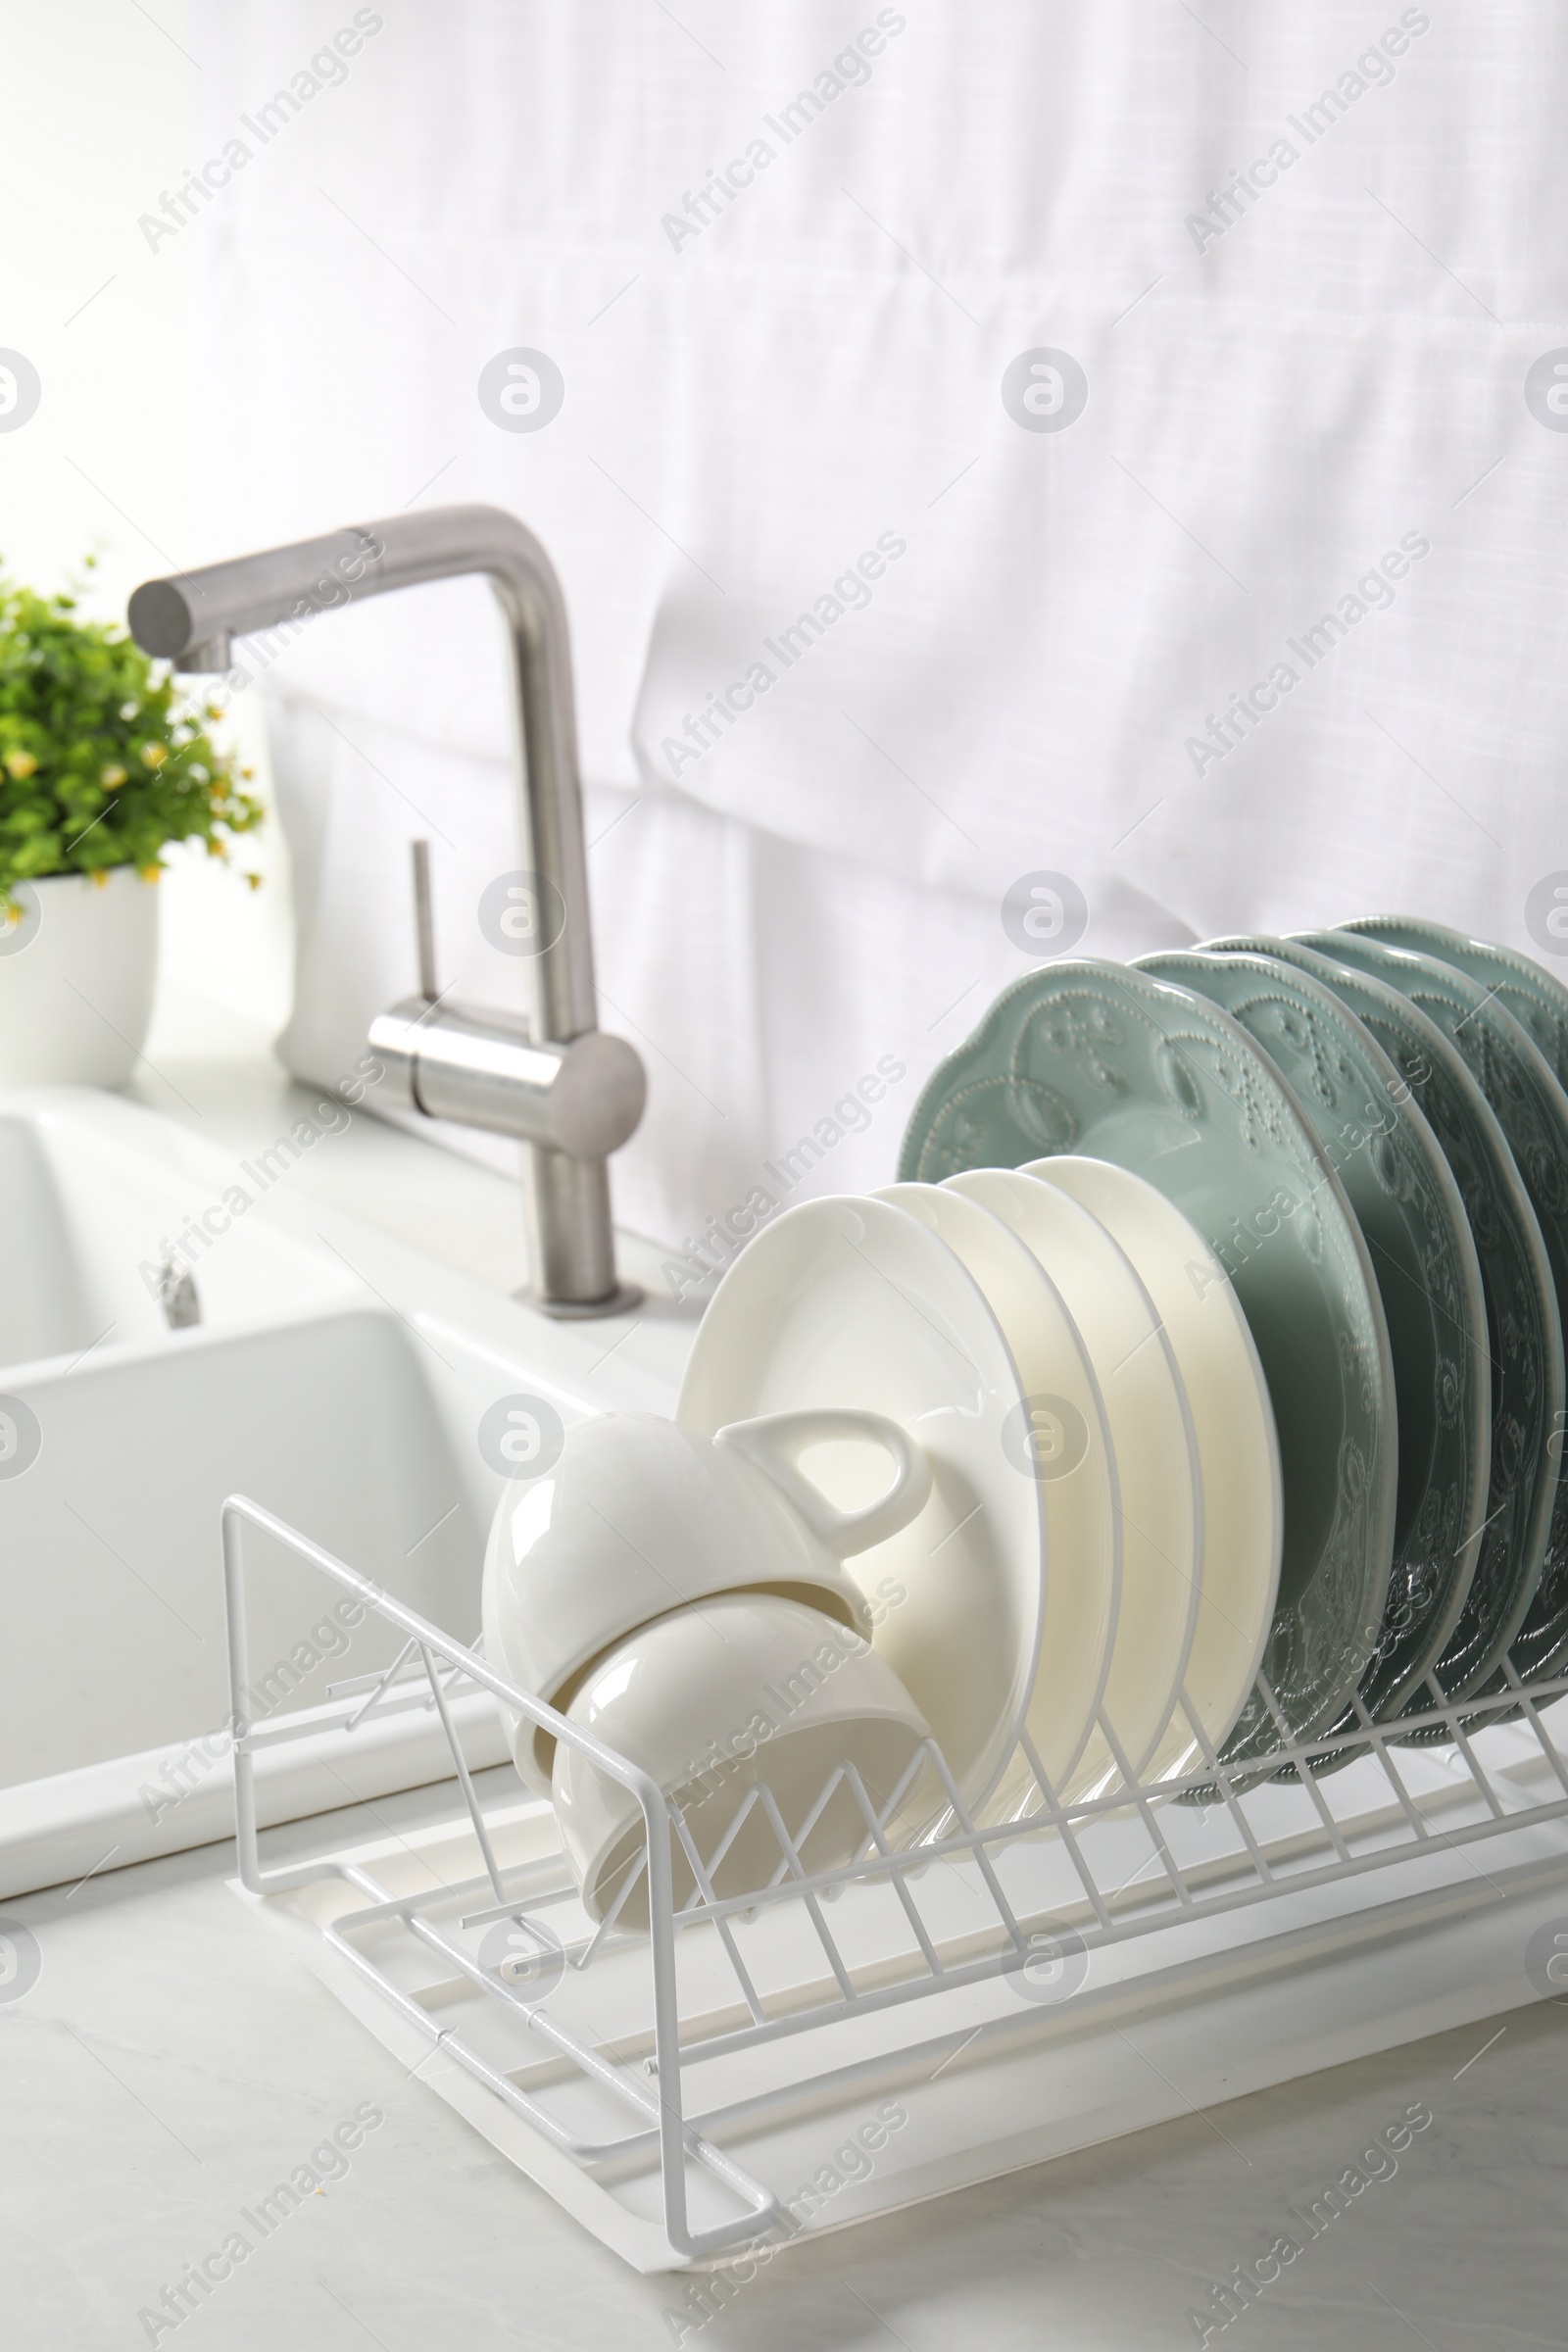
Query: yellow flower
111	776
154	753
149	873
20	764
100	877
255	881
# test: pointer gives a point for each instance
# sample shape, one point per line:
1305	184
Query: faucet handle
424	921
483	1067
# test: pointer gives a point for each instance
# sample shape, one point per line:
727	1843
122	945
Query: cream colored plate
1155	1455
1061	1442
1233	1420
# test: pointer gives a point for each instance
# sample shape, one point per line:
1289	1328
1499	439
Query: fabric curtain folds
1092	453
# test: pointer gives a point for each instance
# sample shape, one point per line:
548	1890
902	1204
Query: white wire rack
672	2083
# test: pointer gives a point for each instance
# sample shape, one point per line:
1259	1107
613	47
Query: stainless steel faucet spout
190	619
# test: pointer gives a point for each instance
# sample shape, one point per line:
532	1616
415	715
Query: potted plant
102	763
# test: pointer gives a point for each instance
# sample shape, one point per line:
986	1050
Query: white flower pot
77	979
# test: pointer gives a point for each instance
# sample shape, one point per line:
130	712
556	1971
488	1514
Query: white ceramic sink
336	1377
93	1189
329	1420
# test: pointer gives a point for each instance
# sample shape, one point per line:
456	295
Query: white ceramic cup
746	1691
637	1516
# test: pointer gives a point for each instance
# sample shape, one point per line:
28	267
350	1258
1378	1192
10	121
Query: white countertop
171	2063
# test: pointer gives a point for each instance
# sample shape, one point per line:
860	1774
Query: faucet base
620	1302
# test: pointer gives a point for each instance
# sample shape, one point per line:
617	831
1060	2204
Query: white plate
1157	1472
1067	1448
855	1303
1244	1515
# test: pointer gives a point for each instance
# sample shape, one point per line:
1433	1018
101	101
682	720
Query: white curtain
1075	369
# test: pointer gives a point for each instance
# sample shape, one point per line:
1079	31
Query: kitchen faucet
572	1094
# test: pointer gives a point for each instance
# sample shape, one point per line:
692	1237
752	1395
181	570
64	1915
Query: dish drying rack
753	2069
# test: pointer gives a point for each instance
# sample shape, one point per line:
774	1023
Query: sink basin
110	1540
92	1206
336	1376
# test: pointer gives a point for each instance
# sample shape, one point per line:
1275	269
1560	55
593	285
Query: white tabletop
174	2062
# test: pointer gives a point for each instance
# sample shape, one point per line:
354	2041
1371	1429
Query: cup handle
774	1443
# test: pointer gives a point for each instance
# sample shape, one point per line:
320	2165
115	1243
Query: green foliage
101	760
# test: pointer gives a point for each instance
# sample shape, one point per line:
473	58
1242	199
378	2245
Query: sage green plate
1413	1222
1521	1090
1081	1056
1538	1003
1522	1323
1536	998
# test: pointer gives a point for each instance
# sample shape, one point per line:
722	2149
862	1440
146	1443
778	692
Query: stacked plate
1085	1596
1362	1134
